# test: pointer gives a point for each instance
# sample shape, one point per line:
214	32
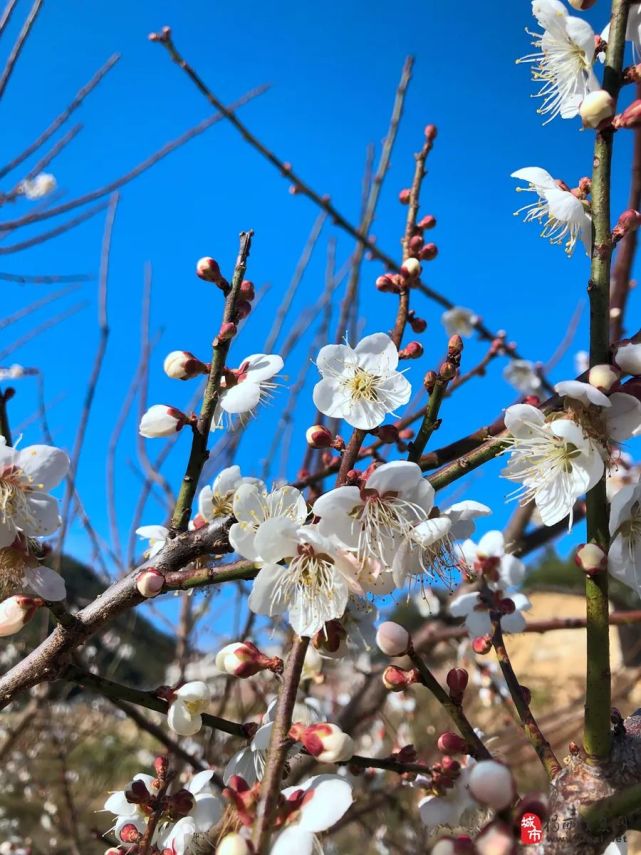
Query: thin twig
16	50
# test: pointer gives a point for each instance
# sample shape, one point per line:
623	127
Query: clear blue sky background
333	70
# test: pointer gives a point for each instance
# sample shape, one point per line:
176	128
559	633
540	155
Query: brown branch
19	43
33	307
6	14
43	237
43	327
35	279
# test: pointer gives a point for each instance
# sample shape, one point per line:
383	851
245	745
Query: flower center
222	505
384	519
310	576
362	386
13	500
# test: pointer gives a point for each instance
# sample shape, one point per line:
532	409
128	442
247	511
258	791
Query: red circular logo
531	829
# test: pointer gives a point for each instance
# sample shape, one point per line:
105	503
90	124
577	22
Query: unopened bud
330	637
430	380
404	196
227	331
387	433
413	350
492	784
234	844
506	606
411	268
482	644
430	132
327	742
183	365
454	346
627	356
415	243
457	679
16	611
318	436
247	290
603	377
451	743
208	269
161	766
387	284
150	582
582	5
392	639
428	222
596	107
629	221
242	659
447	371
591	559
397	679
161	420
243	308
130	834
428	252
630	117
182	803
418	324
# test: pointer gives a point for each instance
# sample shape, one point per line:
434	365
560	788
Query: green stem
596	738
598	815
430	421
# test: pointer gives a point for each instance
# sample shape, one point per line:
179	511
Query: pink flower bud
482	644
415	243
603	377
506	606
491	783
392	639
627	355
234	844
227	331
387	433
16	611
243	308
411	268
208	269
404	196
451	743
430	132
318	436
161	420
150	582
387	284
457	681
596	107
113	850
130	834
247	290
496	839
161	766
331	637
398	680
183	365
413	350
447	371
591	559
418	324
454	346
630	117
429	252
428	222
582	5
629	221
327	743
242	659
429	381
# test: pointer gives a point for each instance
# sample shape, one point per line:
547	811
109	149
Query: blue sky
332	69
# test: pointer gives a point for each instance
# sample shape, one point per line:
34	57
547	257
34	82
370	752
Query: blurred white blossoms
448	808
555	461
489	560
253	505
244	388
459	321
38	187
563	216
361	385
218	500
521	374
624	557
475	608
324	800
187	706
314	585
25	478
563	59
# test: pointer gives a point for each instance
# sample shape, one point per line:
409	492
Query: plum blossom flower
314	585
522	375
361	385
632	32
563	216
476	611
244	388
217	500
563	60
126	811
156	535
38	187
448	808
555	461
489	560
252	506
161	420
621	411
587	394
624	556
187	706
459	321
325	799
25	480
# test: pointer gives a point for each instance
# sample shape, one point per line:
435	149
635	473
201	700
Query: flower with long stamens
555	461
25	478
361	385
252	506
564	217
312	584
624	556
243	389
217	500
563	61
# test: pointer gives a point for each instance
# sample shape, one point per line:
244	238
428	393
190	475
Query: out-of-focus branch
41	328
19	43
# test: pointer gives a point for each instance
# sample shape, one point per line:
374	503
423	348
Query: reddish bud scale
397	679
454	346
630	117
418	325
629	221
482	644
429	381
428	222
387	284
457	679
247	291
318	436
387	433
330	637
447	371
413	350
243	308
414	244
404	196
431	132
451	743
428	252
208	270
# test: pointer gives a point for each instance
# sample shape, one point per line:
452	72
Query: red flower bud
387	283
629	221
413	350
429	252
243	308
397	679
208	269
247	291
430	132
318	436
387	433
630	117
404	196
418	324
428	222
457	679
451	743
482	644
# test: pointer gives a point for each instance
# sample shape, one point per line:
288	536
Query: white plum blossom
587	394
187	706
313	586
624	556
25	480
623	472
252	506
44	582
156	535
244	388
160	420
563	59
474	608
327	798
522	375
489	560
621	411
459	321
38	187
563	216
126	811
217	500
632	32
448	809
361	385
555	461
